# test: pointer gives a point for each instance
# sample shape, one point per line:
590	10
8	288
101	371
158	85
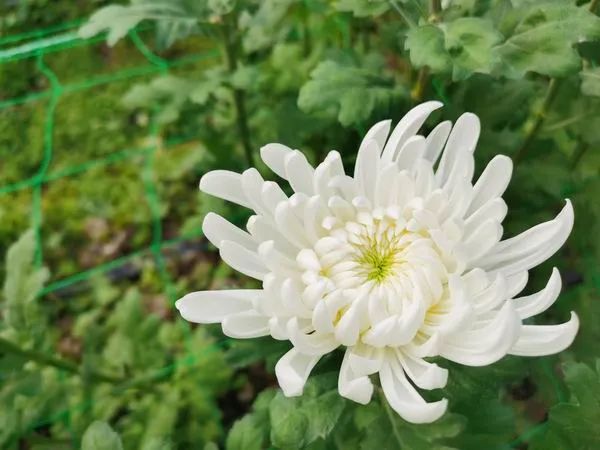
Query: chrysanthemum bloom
394	264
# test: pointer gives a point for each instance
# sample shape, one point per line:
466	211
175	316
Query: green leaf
590	82
575	424
461	47
469	42
426	47
100	436
22	284
246	434
363	8
175	19
351	92
300	421
541	38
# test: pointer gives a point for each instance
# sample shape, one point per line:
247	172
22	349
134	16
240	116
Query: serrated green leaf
543	36
574	424
469	42
461	47
22	284
100	436
350	92
246	434
426	47
175	19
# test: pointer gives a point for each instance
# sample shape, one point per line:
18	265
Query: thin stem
47	360
538	120
400	11
593	5
435	9
391	416
239	97
578	153
416	94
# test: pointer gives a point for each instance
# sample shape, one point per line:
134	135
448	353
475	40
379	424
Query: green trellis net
39	46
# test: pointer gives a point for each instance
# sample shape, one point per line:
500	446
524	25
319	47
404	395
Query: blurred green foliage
92	354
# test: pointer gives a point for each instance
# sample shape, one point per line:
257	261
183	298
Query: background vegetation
103	139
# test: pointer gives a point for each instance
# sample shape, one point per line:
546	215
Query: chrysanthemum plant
397	262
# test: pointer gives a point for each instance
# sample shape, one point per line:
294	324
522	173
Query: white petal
274	157
404	399
482	239
292	371
516	283
492	183
539	302
217	229
290	225
378	133
245	325
495	209
435	141
531	247
310	344
299	172
355	387
540	340
366	169
424	374
463	139
487	344
407	127
214	306
242	260
226	185
412	150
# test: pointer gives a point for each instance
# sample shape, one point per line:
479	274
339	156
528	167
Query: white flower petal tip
215	306
292	371
541	340
398	261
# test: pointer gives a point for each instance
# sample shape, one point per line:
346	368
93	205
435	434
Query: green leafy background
105	134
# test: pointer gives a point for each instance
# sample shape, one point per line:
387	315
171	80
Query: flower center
377	258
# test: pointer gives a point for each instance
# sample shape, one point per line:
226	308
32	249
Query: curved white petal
531	305
245	325
531	247
299	172
487	344
378	133
366	169
226	185
242	260
214	306
351	385
435	141
410	152
424	374
292	371
404	399
541	340
407	127
463	139
492	183
218	229
274	157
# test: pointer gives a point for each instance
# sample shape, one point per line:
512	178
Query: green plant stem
47	360
538	120
239	97
405	16
578	153
593	5
391	415
435	8
416	93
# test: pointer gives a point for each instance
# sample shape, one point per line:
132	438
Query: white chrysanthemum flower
395	264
